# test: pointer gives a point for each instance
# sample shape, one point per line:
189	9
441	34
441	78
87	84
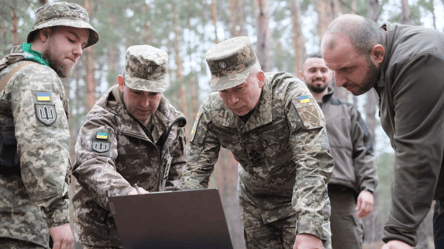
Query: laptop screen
179	219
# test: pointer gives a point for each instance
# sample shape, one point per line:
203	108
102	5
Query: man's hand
365	204
62	237
138	191
396	244
307	241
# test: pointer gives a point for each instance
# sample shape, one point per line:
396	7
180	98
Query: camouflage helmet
229	62
63	14
146	68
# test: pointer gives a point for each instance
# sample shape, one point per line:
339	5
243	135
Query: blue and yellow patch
304	99
102	135
44	97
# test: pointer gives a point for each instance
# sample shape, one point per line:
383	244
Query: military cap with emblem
146	68
63	14
229	62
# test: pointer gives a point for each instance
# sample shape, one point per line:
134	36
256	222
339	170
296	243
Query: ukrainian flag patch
44	97
102	135
304	99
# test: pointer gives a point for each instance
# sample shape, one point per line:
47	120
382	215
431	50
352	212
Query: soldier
131	136
352	148
404	65
34	151
275	130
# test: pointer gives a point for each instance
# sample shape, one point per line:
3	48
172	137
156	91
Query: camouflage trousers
8	243
280	234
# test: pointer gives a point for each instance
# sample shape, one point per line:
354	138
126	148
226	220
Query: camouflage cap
229	62
63	14
146	68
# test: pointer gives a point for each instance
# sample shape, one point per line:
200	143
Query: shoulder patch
196	124
100	141
45	109
308	111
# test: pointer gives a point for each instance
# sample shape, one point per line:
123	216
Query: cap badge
222	65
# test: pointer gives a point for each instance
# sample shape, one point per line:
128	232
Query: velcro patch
100	142
308	112
46	113
43	96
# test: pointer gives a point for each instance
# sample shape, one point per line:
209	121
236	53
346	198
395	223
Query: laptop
191	219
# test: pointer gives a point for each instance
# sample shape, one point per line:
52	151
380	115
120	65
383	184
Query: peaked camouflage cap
63	14
229	62
146	68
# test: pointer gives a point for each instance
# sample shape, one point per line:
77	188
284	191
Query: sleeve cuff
316	228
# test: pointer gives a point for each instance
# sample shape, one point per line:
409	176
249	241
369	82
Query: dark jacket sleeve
363	157
418	140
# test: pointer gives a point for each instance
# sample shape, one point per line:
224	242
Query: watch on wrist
368	189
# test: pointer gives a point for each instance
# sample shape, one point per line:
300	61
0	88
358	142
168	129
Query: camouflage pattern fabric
146	68
63	14
112	154
35	199
229	62
283	153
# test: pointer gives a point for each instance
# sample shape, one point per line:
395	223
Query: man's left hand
365	204
307	241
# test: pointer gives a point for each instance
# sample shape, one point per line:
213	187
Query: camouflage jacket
112	154
282	149
35	198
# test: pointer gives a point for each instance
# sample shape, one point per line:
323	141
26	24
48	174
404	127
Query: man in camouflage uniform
354	178
34	151
131	136
275	130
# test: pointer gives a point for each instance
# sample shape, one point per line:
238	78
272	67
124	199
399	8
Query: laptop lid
178	219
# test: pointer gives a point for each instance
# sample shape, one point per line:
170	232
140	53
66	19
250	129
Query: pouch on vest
9	161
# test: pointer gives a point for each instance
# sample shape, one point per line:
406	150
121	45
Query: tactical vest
9	159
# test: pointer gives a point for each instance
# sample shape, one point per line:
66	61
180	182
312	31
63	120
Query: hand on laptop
138	191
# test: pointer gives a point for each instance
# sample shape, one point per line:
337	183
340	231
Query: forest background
282	32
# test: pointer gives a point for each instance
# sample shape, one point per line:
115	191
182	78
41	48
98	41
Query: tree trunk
263	34
14	21
233	17
179	72
405	14
112	51
322	10
298	37
147	25
214	19
373	10
89	64
353	6
226	179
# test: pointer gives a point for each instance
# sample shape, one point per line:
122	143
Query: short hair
255	68
308	56
34	34
363	32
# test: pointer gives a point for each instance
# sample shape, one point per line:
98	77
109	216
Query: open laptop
178	219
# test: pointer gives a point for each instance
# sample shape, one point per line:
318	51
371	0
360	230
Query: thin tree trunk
373	10
112	50
263	34
405	14
147	25
14	21
297	36
322	10
179	72
214	19
353	6
226	179
233	17
89	64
